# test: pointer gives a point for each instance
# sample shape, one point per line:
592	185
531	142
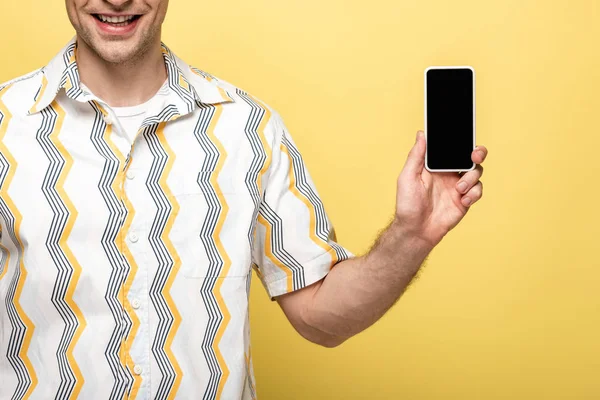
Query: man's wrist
403	233
399	240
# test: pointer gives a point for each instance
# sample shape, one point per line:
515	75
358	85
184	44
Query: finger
468	180
416	157
473	195
479	154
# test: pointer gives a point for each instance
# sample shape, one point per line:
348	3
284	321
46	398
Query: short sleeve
295	243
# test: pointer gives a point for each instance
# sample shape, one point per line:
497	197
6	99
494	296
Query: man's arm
356	292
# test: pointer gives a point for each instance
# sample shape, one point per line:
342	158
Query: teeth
115	20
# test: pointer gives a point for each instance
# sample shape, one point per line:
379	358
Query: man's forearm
359	291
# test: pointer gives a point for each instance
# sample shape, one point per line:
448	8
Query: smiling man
137	194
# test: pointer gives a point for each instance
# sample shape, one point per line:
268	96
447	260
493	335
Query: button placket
111	119
132	290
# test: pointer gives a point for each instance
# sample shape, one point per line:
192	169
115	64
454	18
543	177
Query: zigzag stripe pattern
112	240
22	327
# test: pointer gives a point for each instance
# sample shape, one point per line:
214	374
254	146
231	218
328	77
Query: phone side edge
425	114
474	116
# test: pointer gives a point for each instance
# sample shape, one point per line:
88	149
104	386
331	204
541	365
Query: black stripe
123	380
174	74
255	117
165	261
215	261
65	269
300	173
278	247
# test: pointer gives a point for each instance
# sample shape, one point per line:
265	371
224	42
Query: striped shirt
125	268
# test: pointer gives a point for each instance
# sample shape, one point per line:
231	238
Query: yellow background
508	306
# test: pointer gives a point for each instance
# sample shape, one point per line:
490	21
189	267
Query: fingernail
480	153
466	201
462	186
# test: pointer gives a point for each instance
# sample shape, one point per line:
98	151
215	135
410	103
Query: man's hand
431	204
358	291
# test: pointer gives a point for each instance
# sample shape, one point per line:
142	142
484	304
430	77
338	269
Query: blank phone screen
449	118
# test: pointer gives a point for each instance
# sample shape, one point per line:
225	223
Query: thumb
416	157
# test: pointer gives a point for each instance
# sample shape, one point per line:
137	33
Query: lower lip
117	30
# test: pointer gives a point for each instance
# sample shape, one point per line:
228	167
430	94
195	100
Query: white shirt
125	269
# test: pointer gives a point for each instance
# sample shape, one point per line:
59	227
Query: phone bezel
474	126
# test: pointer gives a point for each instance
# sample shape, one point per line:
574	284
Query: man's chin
115	52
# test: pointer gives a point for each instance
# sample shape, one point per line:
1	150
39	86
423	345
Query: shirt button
133	237
108	119
130	174
135	303
137	370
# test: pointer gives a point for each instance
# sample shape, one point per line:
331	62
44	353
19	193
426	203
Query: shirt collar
190	85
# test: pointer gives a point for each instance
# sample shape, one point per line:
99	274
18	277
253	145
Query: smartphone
449	118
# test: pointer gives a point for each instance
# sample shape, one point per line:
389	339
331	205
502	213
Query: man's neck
122	85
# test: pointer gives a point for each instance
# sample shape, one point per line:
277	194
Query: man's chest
186	193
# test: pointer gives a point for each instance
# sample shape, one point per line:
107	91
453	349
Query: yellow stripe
40	95
120	242
271	256
183	83
18	218
62	241
68	84
311	210
222	92
217	239
3	129
176	260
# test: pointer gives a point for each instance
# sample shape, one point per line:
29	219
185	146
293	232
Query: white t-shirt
130	118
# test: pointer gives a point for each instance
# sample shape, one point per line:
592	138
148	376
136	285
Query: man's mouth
117	21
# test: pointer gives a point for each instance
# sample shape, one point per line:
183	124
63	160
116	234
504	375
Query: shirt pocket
209	234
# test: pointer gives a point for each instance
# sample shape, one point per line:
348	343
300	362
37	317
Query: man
136	193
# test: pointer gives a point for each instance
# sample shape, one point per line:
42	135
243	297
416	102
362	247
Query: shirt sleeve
295	243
